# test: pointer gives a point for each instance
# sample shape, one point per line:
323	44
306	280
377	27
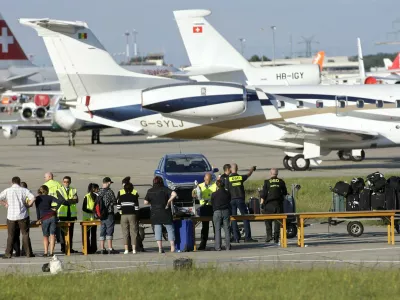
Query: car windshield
188	164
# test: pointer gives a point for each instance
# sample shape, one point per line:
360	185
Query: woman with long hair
160	198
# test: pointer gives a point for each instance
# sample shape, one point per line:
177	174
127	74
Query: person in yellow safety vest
67	213
204	191
120	193
88	215
51	184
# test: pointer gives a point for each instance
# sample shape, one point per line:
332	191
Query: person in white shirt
15	199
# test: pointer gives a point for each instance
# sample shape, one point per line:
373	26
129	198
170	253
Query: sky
336	24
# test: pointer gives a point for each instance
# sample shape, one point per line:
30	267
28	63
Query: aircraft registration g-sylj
306	122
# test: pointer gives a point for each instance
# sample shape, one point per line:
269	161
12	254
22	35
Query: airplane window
319	104
360	103
300	104
398	103
379	103
342	104
281	104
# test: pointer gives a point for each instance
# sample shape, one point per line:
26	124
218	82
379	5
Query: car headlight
170	184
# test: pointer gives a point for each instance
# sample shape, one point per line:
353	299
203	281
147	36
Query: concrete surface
137	156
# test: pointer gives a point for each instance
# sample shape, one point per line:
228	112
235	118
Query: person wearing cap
107	224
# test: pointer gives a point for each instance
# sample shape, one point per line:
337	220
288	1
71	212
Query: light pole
242	41
134	34
273	43
127	46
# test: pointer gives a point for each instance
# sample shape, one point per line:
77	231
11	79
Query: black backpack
342	188
376	182
357	185
100	210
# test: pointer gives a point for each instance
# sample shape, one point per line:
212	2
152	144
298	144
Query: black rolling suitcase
254	206
378	201
342	188
365	199
352	202
390	198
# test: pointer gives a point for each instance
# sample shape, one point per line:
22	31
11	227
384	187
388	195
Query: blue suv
180	171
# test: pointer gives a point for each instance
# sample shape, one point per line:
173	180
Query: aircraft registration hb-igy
213	58
307	122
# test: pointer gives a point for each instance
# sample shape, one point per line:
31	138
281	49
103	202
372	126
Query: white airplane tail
204	45
11	53
360	61
388	63
82	64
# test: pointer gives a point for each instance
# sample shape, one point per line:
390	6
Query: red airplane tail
9	46
396	63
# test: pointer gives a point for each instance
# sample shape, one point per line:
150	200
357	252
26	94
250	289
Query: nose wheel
71	138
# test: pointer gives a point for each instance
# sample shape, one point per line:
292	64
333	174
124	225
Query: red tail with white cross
9	46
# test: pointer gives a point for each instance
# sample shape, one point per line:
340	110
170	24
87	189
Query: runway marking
320	252
328	260
111	268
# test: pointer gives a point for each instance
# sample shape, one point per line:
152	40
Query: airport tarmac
137	156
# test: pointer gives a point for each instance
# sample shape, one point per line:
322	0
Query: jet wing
35	88
21	76
197	71
29	126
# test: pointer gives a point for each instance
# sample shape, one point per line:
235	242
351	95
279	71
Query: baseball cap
107	179
126	180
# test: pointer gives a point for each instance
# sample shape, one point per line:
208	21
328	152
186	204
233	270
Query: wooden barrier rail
63	225
389	214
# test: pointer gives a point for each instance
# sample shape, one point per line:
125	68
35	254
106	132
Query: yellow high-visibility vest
89	206
206	192
53	187
63	210
122	192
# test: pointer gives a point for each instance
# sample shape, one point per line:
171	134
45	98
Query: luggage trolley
289	207
355	227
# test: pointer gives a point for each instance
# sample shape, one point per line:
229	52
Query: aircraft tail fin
319	59
388	63
396	63
360	61
11	53
204	45
82	64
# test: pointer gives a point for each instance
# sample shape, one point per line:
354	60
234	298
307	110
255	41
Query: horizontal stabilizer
39	87
197	71
21	76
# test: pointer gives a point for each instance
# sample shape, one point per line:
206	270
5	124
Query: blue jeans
107	228
241	205
221	218
49	226
158	232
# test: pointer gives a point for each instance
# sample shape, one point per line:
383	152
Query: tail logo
197	29
5	40
82	36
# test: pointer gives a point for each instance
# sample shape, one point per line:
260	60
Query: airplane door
341	104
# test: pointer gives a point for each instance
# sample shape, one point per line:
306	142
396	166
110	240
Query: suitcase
357	185
184	235
379	185
254	206
365	199
289	205
342	188
352	202
377	201
390	198
338	203
394	183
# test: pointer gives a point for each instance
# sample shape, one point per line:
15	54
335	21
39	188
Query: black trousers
91	240
273	207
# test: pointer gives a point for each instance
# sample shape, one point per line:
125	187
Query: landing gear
299	163
71	138
96	136
346	156
287	163
39	137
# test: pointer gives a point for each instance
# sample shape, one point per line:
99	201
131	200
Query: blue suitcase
184	240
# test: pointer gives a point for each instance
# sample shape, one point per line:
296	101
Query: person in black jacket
274	191
225	177
128	205
220	201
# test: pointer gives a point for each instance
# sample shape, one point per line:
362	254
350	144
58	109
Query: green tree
256	58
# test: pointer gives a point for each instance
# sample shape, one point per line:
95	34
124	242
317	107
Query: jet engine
196	99
66	120
10	131
31	112
370	80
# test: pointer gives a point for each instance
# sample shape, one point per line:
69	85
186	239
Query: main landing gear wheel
344	155
355	228
358	158
300	163
287	163
39	138
96	136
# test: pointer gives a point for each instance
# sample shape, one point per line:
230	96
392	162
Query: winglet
270	111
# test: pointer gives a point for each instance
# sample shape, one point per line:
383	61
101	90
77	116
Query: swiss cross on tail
9	46
197	29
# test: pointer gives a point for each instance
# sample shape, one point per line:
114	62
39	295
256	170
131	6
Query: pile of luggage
375	193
